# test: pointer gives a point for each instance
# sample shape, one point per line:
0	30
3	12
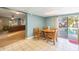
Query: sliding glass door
68	27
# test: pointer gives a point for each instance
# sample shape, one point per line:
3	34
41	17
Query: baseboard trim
30	37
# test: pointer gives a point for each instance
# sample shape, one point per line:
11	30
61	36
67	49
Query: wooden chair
37	33
51	36
43	34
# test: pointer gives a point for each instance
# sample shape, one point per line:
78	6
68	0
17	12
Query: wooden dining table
47	31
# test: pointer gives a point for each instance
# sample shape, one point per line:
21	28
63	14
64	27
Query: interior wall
51	21
34	21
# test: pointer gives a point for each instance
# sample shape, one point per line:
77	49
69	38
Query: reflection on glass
68	27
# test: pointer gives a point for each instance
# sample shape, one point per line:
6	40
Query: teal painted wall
34	21
51	21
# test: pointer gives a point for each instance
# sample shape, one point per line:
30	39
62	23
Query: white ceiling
9	13
47	11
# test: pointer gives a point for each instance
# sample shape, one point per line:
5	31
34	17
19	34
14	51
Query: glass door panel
72	27
62	32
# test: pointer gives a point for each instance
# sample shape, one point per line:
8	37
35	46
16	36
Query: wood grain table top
48	30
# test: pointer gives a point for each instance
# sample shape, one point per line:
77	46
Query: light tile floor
28	45
40	45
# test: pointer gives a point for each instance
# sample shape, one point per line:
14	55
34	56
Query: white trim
30	37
